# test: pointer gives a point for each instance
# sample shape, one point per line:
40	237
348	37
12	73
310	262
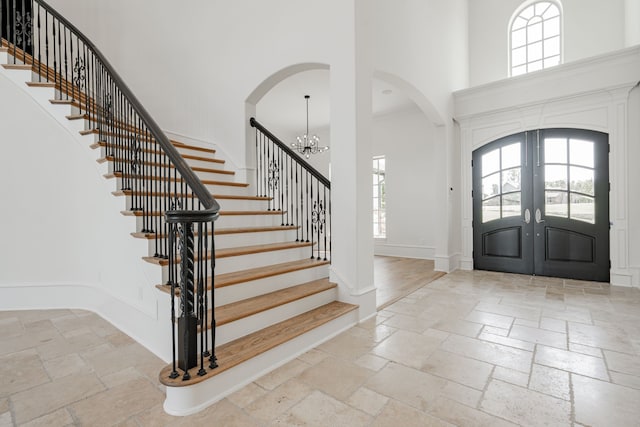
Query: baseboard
447	263
142	325
404	251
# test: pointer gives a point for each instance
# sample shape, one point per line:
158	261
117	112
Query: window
535	38
379	195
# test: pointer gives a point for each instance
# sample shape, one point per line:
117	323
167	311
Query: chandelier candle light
306	144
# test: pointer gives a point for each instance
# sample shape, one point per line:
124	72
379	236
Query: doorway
541	204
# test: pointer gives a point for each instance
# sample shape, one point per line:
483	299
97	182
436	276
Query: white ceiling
282	110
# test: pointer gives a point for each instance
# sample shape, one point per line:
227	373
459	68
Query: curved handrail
204	196
284	147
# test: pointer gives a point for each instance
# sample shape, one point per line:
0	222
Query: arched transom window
535	38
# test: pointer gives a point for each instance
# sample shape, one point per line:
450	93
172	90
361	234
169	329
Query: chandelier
308	144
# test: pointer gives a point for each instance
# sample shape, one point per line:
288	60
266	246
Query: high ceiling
282	110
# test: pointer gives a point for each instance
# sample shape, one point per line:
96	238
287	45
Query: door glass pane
556	203
491	209
511	156
583	208
555	150
581	153
511	205
490	162
491	186
555	177
511	180
581	180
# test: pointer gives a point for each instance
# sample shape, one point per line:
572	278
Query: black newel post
188	322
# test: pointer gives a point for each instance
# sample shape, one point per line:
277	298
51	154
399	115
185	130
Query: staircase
255	284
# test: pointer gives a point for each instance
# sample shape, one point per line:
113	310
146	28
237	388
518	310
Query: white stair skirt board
182	401
248	325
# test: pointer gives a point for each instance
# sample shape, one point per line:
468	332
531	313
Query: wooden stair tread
179	195
238	251
17	66
235	352
41	84
235	277
177	144
156	164
157	178
239	310
99	144
225	231
222	213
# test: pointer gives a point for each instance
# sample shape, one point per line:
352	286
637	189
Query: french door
541	204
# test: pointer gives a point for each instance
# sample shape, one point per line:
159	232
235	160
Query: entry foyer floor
470	349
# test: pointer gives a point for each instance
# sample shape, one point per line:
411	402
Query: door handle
527	216
539	216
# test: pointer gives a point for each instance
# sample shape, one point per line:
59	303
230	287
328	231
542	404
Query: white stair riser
243	262
266	220
240	239
205	164
240	291
226	204
4	58
215	176
186	150
213	188
242	327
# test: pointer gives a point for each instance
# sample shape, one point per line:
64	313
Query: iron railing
296	189
164	191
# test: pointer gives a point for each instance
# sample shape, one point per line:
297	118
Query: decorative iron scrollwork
318	216
23	28
136	161
274	175
79	73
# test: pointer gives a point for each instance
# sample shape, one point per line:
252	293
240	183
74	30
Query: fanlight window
535	38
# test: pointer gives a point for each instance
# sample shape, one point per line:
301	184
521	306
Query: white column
632	22
351	161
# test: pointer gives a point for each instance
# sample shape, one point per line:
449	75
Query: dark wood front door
541	204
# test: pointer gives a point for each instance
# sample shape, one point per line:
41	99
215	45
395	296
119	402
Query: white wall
65	243
407	140
633	157
591	27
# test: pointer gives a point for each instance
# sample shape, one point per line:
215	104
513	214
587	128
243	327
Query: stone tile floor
469	349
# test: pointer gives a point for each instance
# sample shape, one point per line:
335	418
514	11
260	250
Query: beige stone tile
550	381
282	374
510	342
584	349
246	395
278	401
625	380
539	336
39	332
462	415
526	313
462	394
375	335
599	403
407	348
157	417
46	398
33	316
409	323
396	414
117	404
434	333
582	316
313	357
367	401
347	345
494	331
573	362
525	407
610	338
119	339
336	377
371	362
222	413
495	354
10	327
21	371
525	322
60	417
623	363
75	342
105	359
6	420
70	364
4	405
459	327
490	319
318	409
555	325
121	377
510	376
463	370
407	385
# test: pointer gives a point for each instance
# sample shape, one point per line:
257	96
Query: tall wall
591	27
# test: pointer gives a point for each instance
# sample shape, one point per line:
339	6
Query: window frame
518	12
379	211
